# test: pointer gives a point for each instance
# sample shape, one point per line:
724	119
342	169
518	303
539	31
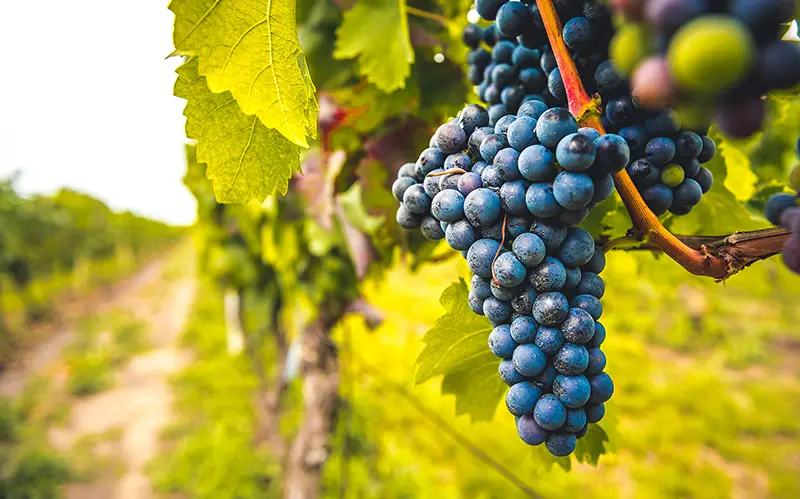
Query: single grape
521	134
620	111
636	137
475	303
431	228
541	201
553	125
508	374
551	233
407	170
607	78
529	249
588	303
691	168
524	57
549	340
497	311
652	84
591	284
532	80
512	197
482	207
571	359
508	270
672	175
613	153
522	397
705	178
469	182
573	191
556	85
416	200
597	361
491	179
530	432
573	278
506	164
595	264
513	19
496	112
511	97
488	10
549	413
550	309
577	248
550	275
561	444
579	34
502	51
602	388
777	204
522	303
599	335
501	126
595	412
460	235
480	286
501	343
537	164
528	359
660	151
491	145
407	219
576	152
448	206
742	117
779	65
688	193
517	225
578	327
533	108
430	159
481	255
524	330
472	35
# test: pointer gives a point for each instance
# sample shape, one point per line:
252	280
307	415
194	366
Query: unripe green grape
794	178
630	46
711	54
672	175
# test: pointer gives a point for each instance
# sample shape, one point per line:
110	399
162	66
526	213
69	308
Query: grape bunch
784	209
712	57
497	195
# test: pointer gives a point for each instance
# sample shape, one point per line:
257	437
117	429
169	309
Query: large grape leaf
250	48
376	32
457	347
246	160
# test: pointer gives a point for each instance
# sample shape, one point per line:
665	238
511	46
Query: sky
87	103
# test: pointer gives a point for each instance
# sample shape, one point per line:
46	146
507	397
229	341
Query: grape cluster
713	57
496	195
784	209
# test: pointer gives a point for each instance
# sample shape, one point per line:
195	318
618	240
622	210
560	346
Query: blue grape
549	340
431	228
449	181
480	286
552	234
688	193
529	360
578	327
457	160
501	343
522	303
517	225
607	79
596	264
561	444
550	275
431	183
501	127
777	204
505	162
513	18
475	303
508	271
597	361
705	178
416	200
530	432
571	359
546	378
613	153
406	219
537	164
541	200
578	34
451	138
488	9
603	187
522	133
490	178
522	397
523	330
594	412
589	132
448	206
549	413
588	303
644	174
599	335
503	51
524	57
533	108
469	182
620	111
491	145
658	197
429	160
482	207
666	123
550	309
512	197
496	112
480	257
492	96
709	149
511	97
502	76
478	168
660	151
576	420
475	139
502	293
691	168
636	137
529	249
548	61
602	388
553	125
572	391
577	248
688	146
508	374
573	191
555	85
460	235
576	152
473	117
400	186
591	284
407	170
497	311
573	277
532	81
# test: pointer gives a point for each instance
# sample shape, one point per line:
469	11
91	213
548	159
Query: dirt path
138	404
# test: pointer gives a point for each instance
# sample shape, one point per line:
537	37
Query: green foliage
246	160
250	49
376	32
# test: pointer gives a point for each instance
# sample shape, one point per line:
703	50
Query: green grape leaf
250	48
354	211
376	32
246	160
740	180
457	347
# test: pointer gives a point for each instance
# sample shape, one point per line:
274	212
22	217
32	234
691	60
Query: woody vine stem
720	261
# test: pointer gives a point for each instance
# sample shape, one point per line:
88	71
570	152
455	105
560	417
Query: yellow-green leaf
246	160
376	31
250	48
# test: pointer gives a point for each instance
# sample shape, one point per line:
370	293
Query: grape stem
700	261
500	248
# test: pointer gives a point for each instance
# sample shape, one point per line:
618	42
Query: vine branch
703	260
428	15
